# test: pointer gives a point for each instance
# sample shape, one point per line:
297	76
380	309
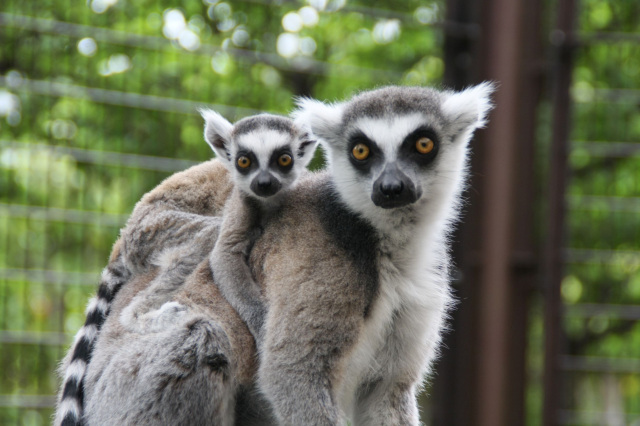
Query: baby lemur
354	271
265	154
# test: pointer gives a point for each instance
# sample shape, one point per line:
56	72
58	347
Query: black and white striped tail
70	403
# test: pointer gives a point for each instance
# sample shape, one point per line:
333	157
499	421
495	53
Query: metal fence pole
562	40
497	249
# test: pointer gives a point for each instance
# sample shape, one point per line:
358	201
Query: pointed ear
323	119
467	110
306	148
217	133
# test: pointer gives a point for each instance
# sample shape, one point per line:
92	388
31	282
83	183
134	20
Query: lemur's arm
229	263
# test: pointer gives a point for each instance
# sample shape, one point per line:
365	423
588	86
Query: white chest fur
402	331
363	362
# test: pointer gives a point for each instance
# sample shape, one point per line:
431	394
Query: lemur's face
265	153
394	159
397	147
264	161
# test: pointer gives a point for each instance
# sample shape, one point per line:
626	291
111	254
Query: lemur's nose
265	184
264	181
391	186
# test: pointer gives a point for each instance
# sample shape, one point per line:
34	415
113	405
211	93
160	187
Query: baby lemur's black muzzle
265	184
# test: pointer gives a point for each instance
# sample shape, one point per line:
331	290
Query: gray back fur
173	228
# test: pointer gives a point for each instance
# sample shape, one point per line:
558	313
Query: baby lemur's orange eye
285	160
244	162
424	145
360	151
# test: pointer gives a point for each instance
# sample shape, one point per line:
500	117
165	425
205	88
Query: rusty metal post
498	250
562	39
503	41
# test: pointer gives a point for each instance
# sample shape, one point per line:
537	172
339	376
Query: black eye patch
282	159
409	150
253	162
374	153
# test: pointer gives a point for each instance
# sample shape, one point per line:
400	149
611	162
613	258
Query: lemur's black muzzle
393	189
265	184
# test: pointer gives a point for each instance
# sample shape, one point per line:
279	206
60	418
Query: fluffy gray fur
169	229
189	362
354	274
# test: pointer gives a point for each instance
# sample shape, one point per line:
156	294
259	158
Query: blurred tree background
601	284
98	104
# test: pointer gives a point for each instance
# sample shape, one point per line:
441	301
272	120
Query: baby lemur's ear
217	133
306	146
323	119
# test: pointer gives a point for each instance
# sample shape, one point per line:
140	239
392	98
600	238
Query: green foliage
603	273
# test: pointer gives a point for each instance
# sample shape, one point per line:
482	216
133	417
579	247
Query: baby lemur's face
264	160
265	153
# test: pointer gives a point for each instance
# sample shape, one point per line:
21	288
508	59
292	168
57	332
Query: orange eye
360	152
424	145
244	162
285	160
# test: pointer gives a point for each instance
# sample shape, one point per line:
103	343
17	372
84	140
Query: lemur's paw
153	321
165	317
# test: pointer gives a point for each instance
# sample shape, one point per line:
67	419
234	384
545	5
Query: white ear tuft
217	133
306	149
323	119
468	109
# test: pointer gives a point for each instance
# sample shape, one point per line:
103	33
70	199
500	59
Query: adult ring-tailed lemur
353	272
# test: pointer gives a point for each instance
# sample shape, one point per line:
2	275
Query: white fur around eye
262	143
389	134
